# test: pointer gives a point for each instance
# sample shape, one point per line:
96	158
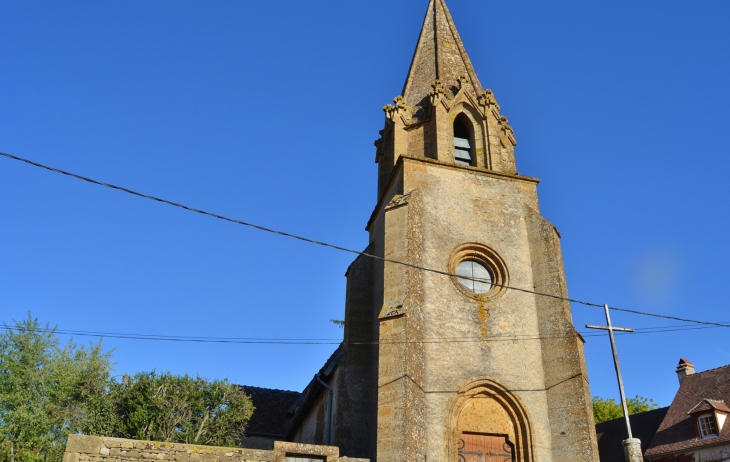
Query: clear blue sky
267	112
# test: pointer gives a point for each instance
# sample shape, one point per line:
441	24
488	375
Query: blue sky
267	112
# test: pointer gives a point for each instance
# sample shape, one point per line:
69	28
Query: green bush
609	409
48	391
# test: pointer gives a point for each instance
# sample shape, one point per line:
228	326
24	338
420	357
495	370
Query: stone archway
489	424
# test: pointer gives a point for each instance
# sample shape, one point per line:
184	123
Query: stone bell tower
465	366
457	367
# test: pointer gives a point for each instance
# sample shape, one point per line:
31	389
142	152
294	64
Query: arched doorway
489	424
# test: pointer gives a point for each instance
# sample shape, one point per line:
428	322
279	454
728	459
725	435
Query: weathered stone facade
82	448
426	361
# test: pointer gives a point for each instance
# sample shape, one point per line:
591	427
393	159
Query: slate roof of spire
439	55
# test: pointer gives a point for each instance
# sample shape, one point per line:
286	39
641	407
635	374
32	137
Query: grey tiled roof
271	416
612	433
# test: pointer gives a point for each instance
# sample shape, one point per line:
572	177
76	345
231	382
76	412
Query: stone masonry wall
82	448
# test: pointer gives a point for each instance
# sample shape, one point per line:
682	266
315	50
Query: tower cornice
399	166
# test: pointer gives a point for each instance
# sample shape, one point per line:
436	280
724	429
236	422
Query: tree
609	409
46	390
166	407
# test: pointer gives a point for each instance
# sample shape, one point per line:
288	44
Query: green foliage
609	409
48	391
45	390
338	322
165	407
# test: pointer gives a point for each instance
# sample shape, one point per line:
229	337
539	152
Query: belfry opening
463	142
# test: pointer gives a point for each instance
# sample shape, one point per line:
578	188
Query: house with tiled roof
695	426
271	418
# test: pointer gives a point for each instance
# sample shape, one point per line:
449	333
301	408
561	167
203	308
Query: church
451	351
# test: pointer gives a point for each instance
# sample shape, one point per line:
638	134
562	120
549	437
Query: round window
474	276
477	271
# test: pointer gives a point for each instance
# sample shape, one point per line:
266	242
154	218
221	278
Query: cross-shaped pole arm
610	328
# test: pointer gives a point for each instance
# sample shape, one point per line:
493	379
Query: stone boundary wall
82	448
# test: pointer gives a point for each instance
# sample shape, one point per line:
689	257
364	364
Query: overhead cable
344	249
332	341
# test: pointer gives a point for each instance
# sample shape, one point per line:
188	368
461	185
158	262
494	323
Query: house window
708	427
463	145
474	276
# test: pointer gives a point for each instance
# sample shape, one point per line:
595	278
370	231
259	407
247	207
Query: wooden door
479	447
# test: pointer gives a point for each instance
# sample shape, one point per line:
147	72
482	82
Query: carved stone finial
400	108
487	100
507	130
463	80
438	91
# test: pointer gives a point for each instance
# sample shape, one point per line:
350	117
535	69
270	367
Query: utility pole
632	446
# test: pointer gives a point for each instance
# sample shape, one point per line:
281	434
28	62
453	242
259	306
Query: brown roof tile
702	406
677	432
720	406
709	405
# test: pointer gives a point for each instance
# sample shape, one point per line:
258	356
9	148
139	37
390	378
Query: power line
344	249
332	341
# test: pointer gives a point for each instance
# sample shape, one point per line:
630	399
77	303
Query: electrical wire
332	341
345	249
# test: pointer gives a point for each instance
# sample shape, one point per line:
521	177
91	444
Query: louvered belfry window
463	145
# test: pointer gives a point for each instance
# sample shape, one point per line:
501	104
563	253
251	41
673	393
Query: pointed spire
440	55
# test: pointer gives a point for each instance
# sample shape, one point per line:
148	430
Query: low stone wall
82	448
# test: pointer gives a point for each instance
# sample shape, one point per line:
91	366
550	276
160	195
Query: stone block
632	450
84	444
71	457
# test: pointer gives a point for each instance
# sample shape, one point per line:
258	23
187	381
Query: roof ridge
271	389
710	370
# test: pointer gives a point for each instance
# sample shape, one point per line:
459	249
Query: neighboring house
292	416
270	418
692	429
695	428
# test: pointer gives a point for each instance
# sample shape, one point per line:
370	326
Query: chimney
684	368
